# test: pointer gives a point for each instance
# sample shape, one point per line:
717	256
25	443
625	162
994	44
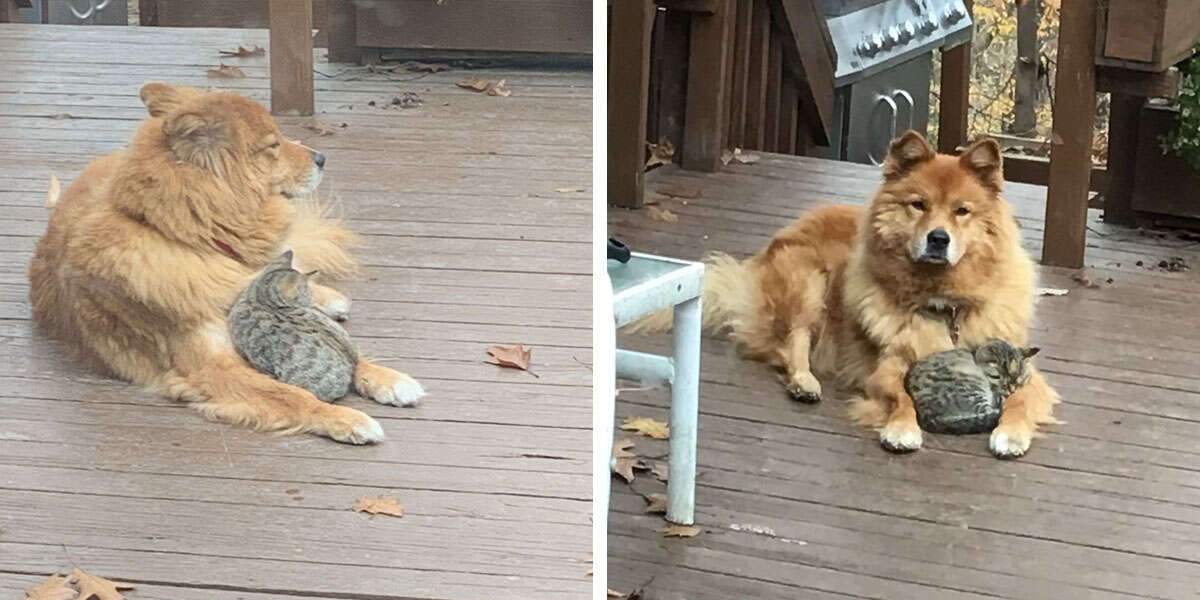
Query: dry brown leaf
499	89
413	66
647	427
226	72
660	471
615	594
54	588
1085	280
745	158
656	503
381	505
652	199
621	448
680	190
244	52
662	214
53	192
515	356
680	531
660	153
321	127
99	588
626	462
474	83
726	157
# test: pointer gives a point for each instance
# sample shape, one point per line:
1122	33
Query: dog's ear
983	160
197	138
904	153
162	98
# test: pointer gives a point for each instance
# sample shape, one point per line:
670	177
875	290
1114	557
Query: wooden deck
1104	506
469	243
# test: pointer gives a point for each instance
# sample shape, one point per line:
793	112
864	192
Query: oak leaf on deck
99	588
226	72
381	505
242	52
54	588
647	427
515	356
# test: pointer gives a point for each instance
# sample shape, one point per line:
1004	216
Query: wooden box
542	26
1146	35
1164	183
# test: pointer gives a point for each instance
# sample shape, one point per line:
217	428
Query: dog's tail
728	297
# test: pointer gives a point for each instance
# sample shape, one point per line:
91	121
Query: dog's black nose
938	238
319	159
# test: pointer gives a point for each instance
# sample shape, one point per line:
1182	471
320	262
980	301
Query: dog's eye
918	204
962	211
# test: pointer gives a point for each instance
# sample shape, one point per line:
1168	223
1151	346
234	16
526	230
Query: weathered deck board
467	243
1106	505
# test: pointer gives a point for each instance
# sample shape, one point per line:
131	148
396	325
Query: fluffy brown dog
935	262
149	246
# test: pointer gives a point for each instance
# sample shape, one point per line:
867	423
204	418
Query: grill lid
872	35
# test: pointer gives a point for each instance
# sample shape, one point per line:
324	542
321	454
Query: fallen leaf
100	588
662	214
53	192
321	127
680	190
61	116
656	503
680	531
647	427
744	158
1052	292
510	355
54	588
660	471
660	153
652	199
413	66
227	72
382	505
615	594
244	52
407	100
499	90
626	462
567	190
621	448
292	491
1084	280
726	156
474	83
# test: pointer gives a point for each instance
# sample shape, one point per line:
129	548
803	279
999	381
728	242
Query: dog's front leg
331	302
1023	411
900	433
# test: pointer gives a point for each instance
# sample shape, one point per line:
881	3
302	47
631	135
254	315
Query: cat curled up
276	327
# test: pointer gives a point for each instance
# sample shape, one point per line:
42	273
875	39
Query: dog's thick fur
841	291
148	247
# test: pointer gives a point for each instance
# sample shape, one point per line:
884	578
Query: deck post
341	23
955	97
1071	138
628	96
291	57
9	11
704	124
685	413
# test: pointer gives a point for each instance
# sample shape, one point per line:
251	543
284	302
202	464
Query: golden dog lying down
934	262
149	246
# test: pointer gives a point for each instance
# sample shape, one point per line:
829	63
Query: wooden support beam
955	97
704	121
628	93
707	7
756	84
8	11
1122	157
1036	170
789	105
1148	84
741	73
291	57
341	20
774	85
811	57
1074	109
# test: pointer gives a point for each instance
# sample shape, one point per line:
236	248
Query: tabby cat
962	391
276	328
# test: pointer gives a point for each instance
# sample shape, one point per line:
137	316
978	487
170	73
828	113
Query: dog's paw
338	309
352	427
1010	442
900	436
804	387
387	386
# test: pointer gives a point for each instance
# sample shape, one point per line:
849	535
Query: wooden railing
710	75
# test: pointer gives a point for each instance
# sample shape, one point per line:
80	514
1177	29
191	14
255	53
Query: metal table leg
685	347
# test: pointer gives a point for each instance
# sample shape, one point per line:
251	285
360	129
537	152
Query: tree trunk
1024	122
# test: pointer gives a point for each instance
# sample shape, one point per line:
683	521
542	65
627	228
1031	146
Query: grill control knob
908	31
893	35
953	14
928	25
877	42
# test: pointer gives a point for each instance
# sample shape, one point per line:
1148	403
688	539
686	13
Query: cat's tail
225	388
727	299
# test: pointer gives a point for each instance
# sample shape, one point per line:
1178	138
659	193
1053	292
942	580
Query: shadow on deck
469	242
796	502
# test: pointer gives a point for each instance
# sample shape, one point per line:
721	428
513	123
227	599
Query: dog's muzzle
935	248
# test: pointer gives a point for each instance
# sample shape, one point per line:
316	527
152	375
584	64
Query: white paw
804	387
367	431
1008	444
338	309
900	437
404	392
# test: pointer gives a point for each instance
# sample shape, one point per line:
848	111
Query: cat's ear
1030	352
311	275
283	261
289	285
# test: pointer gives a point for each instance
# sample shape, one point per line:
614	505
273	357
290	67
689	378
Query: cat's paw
387	386
350	426
1010	441
900	435
804	387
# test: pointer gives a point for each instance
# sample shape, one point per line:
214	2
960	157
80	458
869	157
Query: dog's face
937	207
234	138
